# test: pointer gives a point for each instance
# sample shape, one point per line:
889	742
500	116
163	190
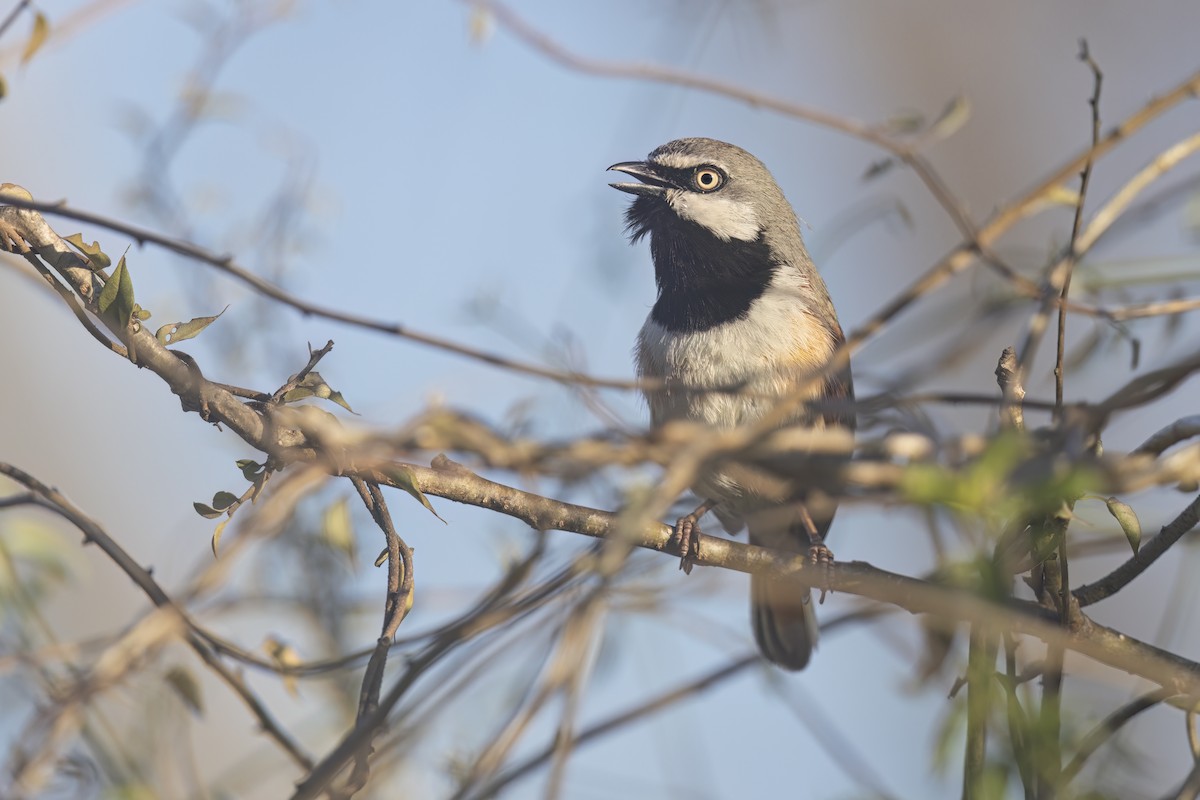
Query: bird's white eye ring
708	179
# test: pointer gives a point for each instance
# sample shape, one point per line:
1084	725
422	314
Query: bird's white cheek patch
725	218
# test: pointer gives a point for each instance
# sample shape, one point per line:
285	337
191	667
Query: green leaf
298	393
178	331
250	468
92	251
223	500
314	385
206	511
185	685
116	299
404	478
216	537
877	168
954	116
37	38
3	88
905	122
336	397
1127	519
337	529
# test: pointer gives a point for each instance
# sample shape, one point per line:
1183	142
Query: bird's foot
821	558
687	537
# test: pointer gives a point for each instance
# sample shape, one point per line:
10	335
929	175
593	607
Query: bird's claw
687	539
822	558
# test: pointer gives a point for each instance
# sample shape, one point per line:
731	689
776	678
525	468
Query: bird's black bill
652	184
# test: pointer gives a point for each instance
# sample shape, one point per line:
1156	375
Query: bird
739	304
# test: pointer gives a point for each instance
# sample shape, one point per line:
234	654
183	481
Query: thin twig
1146	555
52	500
1077	223
1098	735
12	16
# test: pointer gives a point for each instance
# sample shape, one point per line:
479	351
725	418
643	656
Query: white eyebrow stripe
683	161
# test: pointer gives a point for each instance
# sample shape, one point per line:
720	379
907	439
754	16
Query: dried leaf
216	537
480	25
284	655
1127	519
185	685
37	37
1060	195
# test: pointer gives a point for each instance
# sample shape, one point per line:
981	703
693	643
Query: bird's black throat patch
703	281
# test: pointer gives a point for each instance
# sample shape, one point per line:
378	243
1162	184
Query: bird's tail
785	624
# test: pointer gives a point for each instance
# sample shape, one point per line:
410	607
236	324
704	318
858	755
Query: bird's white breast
778	342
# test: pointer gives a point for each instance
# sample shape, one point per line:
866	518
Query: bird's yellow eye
707	179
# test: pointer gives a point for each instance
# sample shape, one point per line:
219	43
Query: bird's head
712	184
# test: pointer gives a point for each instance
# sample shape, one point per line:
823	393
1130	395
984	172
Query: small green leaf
37	38
404	478
141	313
185	685
954	116
314	385
216	537
206	511
250	468
92	251
223	500
116	299
877	168
337	529
336	397
298	393
3	88
905	122
178	331
1127	519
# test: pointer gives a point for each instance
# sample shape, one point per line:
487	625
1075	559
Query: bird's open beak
652	184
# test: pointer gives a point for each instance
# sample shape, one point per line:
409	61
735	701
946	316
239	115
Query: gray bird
739	304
